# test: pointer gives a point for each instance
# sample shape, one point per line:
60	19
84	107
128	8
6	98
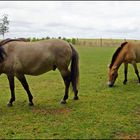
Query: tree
4	22
34	39
47	37
73	41
64	38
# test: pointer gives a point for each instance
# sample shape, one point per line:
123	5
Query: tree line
4	23
70	40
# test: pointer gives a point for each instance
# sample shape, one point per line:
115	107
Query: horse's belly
37	70
37	67
137	58
138	61
137	55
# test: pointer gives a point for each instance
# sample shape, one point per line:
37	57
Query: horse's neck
119	59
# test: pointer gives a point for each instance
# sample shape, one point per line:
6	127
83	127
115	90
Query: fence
91	42
100	42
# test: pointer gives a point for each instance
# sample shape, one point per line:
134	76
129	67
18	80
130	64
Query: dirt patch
51	111
138	112
128	136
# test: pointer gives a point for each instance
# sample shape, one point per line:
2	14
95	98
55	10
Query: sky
78	19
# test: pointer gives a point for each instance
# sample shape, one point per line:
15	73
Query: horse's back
38	57
133	51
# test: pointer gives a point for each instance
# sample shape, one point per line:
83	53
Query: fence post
101	41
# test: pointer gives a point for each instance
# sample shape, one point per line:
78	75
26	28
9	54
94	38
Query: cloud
85	19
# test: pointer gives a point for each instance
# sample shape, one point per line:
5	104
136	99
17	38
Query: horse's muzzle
110	84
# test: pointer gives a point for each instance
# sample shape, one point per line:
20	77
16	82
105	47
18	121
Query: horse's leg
125	73
75	90
24	83
66	77
136	70
12	87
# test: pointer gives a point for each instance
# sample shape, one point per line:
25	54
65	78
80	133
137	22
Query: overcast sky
81	19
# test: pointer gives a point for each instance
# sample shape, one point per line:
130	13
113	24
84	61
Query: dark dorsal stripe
5	41
116	53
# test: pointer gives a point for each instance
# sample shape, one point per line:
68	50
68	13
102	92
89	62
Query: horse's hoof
63	102
124	83
31	104
9	104
76	98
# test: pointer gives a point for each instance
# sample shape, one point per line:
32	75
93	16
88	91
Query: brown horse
19	57
128	52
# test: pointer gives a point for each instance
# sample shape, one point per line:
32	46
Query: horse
19	58
127	53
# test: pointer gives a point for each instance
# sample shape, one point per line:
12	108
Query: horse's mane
2	53
5	41
116	53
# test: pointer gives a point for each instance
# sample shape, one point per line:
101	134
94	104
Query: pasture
100	112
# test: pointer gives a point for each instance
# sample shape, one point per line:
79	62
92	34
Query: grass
101	112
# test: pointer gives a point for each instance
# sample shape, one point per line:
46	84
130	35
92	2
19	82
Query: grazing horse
128	52
19	57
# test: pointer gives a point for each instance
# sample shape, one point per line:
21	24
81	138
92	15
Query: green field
100	112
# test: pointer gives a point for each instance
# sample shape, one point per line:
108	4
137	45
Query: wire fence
101	42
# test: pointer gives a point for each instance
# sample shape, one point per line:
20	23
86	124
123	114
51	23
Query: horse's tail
74	69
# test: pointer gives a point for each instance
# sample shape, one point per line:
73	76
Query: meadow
101	112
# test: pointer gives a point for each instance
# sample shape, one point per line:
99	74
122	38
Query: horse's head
112	74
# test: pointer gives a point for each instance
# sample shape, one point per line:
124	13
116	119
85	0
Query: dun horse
128	52
19	57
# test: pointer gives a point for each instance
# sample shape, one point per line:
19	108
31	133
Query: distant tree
73	41
68	40
29	39
34	39
64	38
4	22
47	37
